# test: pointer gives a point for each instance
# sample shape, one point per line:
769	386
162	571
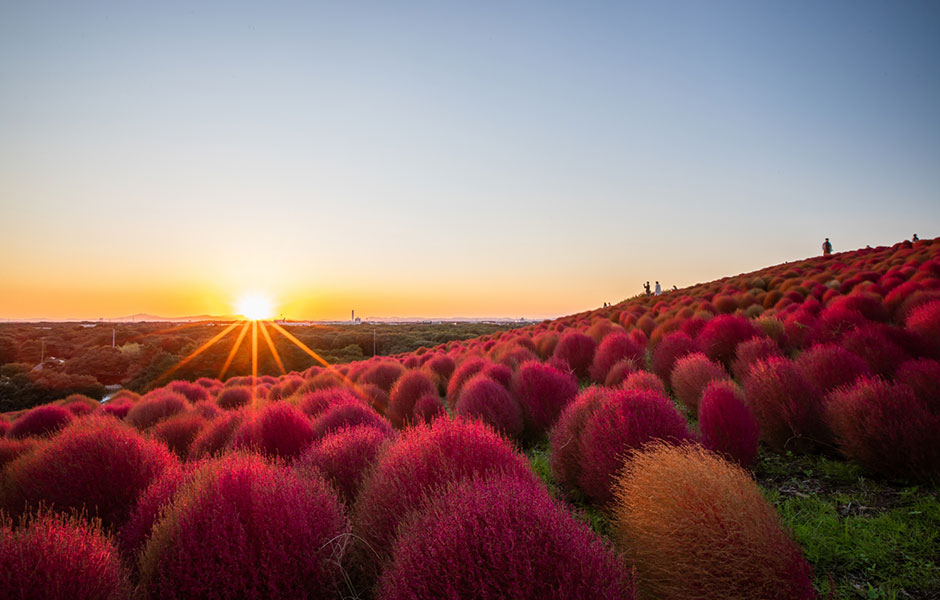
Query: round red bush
193	391
97	464
245	528
277	430
749	352
383	374
214	438
155	407
428	407
234	397
886	428
565	437
726	423
42	420
644	380
348	414
134	533
511	528
787	406
829	366
401	401
425	459
722	334
542	392
923	377
690	375
10	449
179	432
484	399
52	556
875	346
613	349
619	372
345	455
462	374
441	365
626	420
315	403
576	349
670	349
117	407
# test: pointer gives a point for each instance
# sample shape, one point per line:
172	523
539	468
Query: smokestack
353	316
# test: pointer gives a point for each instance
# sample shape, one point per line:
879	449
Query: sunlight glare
255	307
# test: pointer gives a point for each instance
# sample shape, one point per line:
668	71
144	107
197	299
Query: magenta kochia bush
345	456
501	537
542	392
276	430
787	406
923	377
401	401
463	373
749	352
53	556
41	420
348	414
829	366
644	380
178	432
193	391
96	463
576	349
726	423
216	435
886	428
10	448
315	403
484	399
383	374
242	527
152	500
690	375
614	348
619	372
925	322
427	408
425	459
565	437
671	348
234	397
722	334
625	421
154	407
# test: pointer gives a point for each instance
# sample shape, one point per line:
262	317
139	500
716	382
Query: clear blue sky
450	158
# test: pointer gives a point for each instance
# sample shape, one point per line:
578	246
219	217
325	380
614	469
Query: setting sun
255	307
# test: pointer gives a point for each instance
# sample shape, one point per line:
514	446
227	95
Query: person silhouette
915	238
827	248
659	290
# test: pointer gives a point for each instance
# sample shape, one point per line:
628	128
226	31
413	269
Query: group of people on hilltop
658	290
826	248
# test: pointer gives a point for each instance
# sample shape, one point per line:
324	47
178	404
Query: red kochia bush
722	334
152	500
193	391
425	459
542	392
276	430
619	372
886	428
10	449
383	374
117	407
97	463
52	556
245	528
484	399
923	377
614	348
348	414
216	435
462	374
576	349
697	527
345	456
441	365
670	349
401	401
627	420
234	397
787	406
644	380
925	322
315	403
42	420
565	437
156	406
829	366
523	544
749	352
690	375
427	408
179	432
726	423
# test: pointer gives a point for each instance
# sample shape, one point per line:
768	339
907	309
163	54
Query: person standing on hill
659	290
827	248
646	288
915	238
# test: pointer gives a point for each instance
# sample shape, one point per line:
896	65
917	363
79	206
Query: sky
441	159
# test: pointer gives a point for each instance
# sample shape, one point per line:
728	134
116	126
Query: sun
255	307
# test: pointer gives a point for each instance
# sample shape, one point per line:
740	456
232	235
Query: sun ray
231	355
198	350
277	357
313	354
254	351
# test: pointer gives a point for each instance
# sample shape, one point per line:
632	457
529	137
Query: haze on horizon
436	159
